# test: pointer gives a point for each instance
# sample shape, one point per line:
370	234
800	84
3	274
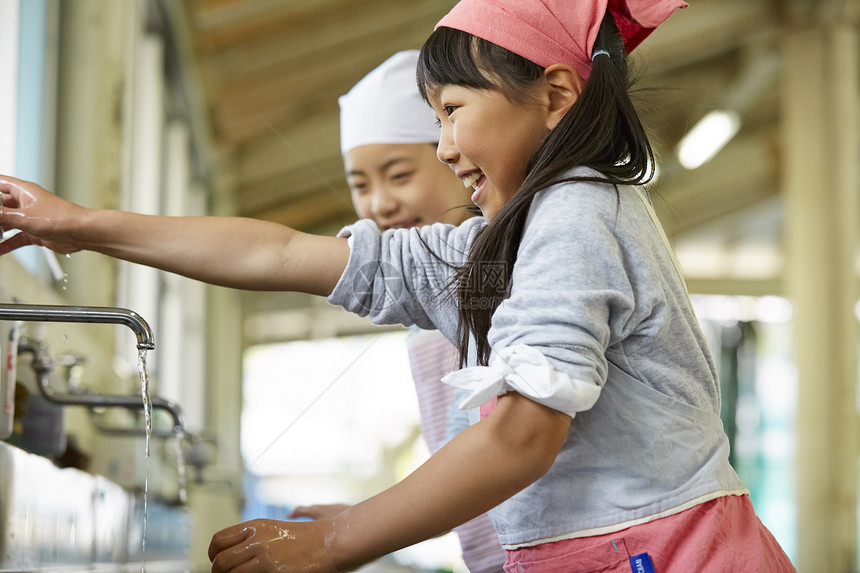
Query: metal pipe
170	407
157	403
89	314
42	365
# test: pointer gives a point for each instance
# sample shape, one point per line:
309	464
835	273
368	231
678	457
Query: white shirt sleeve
524	370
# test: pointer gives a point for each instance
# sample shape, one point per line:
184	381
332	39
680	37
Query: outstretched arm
481	467
226	251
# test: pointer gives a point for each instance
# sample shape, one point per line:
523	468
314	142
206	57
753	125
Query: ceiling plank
324	178
344	27
744	173
285	148
311	211
284	92
703	31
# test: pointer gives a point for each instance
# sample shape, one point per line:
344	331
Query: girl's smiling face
403	185
488	140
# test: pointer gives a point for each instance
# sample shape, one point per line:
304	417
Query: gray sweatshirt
596	291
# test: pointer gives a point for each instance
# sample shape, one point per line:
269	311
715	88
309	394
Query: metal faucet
42	365
92	314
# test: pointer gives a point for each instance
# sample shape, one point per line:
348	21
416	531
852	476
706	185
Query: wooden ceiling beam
324	178
225	24
704	31
285	148
339	23
249	23
745	172
355	26
288	92
310	212
683	216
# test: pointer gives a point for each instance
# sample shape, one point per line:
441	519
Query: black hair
601	131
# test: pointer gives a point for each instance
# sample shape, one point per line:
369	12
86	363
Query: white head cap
385	107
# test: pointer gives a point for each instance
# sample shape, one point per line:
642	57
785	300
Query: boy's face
404	185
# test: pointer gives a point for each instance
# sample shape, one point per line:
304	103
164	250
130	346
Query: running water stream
181	473
180	456
60	313
147	419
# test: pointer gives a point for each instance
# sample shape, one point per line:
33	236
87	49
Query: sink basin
52	517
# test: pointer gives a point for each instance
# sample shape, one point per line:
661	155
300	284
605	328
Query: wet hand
42	217
318	511
266	545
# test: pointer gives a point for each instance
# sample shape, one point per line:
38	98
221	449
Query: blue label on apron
641	563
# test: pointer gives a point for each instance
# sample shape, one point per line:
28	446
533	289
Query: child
388	138
599	437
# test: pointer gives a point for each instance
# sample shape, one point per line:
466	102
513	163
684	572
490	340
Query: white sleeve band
524	370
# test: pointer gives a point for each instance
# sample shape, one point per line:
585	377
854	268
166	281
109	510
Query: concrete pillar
820	176
92	130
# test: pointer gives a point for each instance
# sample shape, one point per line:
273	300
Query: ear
564	85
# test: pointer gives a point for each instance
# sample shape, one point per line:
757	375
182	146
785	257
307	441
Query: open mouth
471	179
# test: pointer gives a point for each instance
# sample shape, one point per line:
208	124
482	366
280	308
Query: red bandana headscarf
547	32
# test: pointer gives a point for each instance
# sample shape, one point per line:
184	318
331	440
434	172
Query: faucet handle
74	365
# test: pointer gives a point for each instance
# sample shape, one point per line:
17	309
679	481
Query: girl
598	437
388	138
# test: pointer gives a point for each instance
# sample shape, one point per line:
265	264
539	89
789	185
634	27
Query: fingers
227	538
43	218
16	195
299	511
14	242
5	205
11	191
8	179
6	184
266	545
236	561
252	566
242	561
10	202
230	552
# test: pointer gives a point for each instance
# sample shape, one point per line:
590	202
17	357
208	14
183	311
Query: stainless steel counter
52	518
